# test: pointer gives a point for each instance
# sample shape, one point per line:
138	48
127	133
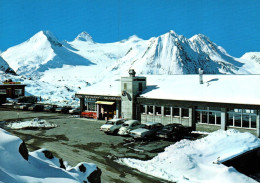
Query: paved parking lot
78	139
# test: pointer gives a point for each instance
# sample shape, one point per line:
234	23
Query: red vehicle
89	114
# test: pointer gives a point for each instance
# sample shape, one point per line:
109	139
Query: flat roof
104	88
235	89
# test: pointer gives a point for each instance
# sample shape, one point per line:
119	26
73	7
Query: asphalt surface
78	140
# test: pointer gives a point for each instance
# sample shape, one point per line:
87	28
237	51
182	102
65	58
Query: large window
150	109
2	91
243	118
142	109
167	111
18	92
208	115
185	112
176	111
158	110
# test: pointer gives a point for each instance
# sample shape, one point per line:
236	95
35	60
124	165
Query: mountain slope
39	53
251	62
174	54
5	67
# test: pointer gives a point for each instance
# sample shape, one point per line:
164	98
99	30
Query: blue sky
232	24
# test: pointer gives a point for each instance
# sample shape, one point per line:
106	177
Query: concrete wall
130	87
206	127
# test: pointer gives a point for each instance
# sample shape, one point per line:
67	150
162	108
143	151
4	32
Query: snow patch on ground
35	123
199	161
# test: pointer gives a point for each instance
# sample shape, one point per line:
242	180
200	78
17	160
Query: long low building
10	89
205	102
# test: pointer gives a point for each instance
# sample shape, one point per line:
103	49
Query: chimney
201	74
131	72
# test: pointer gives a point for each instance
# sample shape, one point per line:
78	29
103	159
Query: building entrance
106	110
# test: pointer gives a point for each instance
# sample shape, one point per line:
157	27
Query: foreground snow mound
35	123
17	165
199	161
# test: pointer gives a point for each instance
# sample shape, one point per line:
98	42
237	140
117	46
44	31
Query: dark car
146	130
36	107
173	131
64	109
49	108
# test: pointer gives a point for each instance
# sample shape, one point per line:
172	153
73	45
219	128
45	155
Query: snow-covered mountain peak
201	39
254	56
198	37
203	43
134	38
43	36
84	36
173	33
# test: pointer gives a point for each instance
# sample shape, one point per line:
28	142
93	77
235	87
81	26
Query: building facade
220	102
9	89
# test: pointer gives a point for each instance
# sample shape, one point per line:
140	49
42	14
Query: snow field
199	161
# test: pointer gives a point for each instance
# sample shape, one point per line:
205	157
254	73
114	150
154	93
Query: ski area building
10	89
204	102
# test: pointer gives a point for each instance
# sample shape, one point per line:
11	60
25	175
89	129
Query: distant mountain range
169	54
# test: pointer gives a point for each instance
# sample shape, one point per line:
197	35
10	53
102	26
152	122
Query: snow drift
17	165
199	161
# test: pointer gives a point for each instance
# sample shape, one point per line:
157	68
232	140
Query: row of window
208	117
16	91
167	111
249	111
2	91
244	118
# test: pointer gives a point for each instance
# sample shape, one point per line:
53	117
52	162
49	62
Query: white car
112	126
146	130
74	111
128	126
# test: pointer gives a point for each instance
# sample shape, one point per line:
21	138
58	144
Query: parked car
17	106
74	110
49	108
64	109
173	131
36	107
146	131
128	126
25	106
112	126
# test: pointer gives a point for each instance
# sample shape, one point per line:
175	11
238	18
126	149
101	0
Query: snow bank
35	123
199	161
14	168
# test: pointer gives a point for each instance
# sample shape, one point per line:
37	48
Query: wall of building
13	90
131	87
147	116
203	118
207	127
